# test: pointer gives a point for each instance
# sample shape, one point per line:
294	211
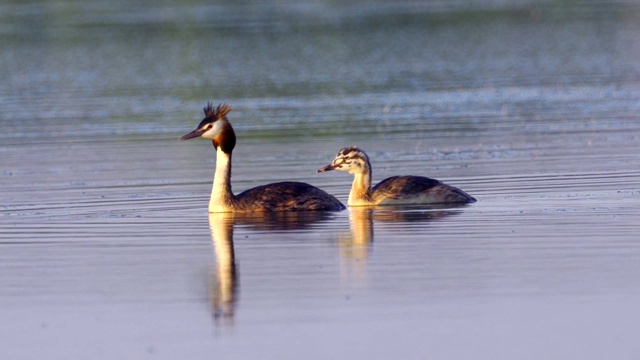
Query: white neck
221	195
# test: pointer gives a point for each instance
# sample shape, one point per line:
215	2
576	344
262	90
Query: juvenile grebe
396	190
272	197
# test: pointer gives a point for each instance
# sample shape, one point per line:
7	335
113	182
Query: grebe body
285	196
396	190
282	196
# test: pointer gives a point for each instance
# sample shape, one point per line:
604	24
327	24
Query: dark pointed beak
326	168
194	134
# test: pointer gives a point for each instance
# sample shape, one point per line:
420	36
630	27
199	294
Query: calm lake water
107	250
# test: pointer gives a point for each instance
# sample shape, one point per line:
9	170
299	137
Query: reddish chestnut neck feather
226	139
221	195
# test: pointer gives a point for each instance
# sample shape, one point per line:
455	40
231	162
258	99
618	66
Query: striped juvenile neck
360	193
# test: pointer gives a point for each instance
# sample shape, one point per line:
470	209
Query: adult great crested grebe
396	190
281	196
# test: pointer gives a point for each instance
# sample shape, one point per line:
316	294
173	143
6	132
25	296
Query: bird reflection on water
223	284
354	246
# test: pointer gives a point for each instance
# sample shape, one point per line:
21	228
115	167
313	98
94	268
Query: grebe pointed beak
326	168
194	134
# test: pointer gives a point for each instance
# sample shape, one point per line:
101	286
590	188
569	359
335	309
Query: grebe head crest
216	127
351	159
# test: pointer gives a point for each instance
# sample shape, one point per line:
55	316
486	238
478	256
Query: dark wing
289	195
406	185
411	188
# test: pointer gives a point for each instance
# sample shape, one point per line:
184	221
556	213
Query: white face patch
213	130
353	162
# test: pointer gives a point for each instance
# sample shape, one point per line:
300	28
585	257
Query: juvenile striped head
215	126
350	159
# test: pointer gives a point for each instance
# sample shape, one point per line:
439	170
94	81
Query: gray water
107	250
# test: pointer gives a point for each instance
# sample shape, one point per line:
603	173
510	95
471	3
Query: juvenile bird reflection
356	246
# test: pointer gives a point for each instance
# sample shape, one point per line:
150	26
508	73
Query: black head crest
218	112
347	150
